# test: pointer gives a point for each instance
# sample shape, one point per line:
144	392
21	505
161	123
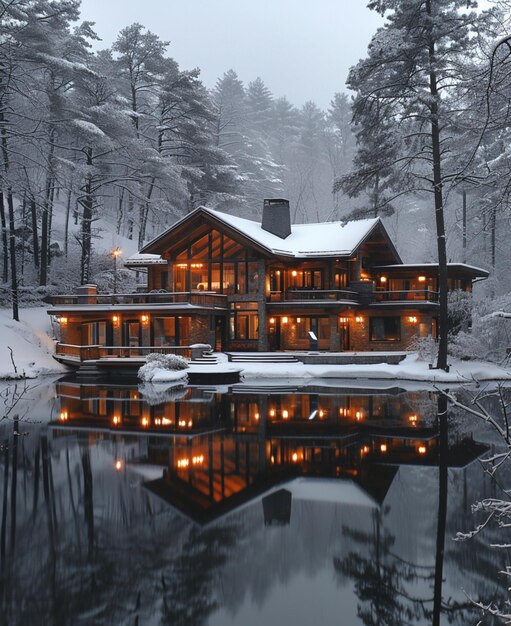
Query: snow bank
159	375
411	368
31	344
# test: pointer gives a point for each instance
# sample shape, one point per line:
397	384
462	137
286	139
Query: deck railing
208	299
94	352
405	295
314	294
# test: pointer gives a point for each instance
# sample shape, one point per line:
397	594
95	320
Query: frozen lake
239	505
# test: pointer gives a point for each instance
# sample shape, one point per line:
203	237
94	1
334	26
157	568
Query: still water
239	506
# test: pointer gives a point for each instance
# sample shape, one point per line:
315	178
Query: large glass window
385	328
320	326
164	331
244	321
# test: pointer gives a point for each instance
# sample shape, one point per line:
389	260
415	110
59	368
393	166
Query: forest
114	144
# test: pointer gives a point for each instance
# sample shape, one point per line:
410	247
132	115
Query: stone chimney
276	217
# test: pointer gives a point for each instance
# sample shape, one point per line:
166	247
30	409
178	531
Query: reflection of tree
382	579
189	594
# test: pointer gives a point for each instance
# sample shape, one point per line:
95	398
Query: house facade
240	285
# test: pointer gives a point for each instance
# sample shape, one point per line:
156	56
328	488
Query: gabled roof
305	241
452	268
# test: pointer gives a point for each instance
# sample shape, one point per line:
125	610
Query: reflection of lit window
383	447
285	414
422	449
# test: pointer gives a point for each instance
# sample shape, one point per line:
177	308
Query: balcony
202	299
407	296
319	295
70	352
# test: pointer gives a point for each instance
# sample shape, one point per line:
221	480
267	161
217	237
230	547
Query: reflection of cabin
207	453
239	285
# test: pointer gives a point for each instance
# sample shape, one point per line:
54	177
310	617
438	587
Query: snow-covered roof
472	269
144	259
305	240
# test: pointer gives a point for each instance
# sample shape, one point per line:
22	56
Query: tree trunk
12	248
464	226
5	247
14	482
35	236
439	205
87	204
66	226
144	213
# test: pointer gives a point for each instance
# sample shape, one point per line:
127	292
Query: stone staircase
261	357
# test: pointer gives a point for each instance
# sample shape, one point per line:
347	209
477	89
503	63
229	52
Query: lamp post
115	253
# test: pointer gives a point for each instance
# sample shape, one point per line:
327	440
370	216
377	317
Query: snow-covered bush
426	348
166	362
460	305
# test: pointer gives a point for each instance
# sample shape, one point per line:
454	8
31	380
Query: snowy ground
411	368
31	344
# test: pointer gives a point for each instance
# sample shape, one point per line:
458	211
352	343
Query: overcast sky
300	48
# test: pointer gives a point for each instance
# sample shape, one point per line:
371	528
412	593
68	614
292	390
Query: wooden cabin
239	285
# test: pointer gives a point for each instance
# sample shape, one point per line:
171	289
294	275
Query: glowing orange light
118	465
422	279
285	320
412	419
298	320
116	252
116	420
197	265
422	449
383	279
272	412
63	416
197	460
256	416
359	319
412	319
343	320
115	318
321	413
359	415
63	320
190	423
145	422
272	459
183	462
272	320
285	414
294	457
294	273
145	318
182	423
383	447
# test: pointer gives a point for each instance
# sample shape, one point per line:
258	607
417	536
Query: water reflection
233	506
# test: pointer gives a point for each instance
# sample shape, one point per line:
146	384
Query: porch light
359	415
183	462
63	320
365	449
145	422
272	412
116	420
344	320
197	265
277	272
285	320
145	319
359	319
63	416
115	319
422	279
412	319
383	447
412	419
295	457
272	320
256	417
321	413
182	266
298	320
383	279
422	449
190	423
197	460
285	414
294	273
118	465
